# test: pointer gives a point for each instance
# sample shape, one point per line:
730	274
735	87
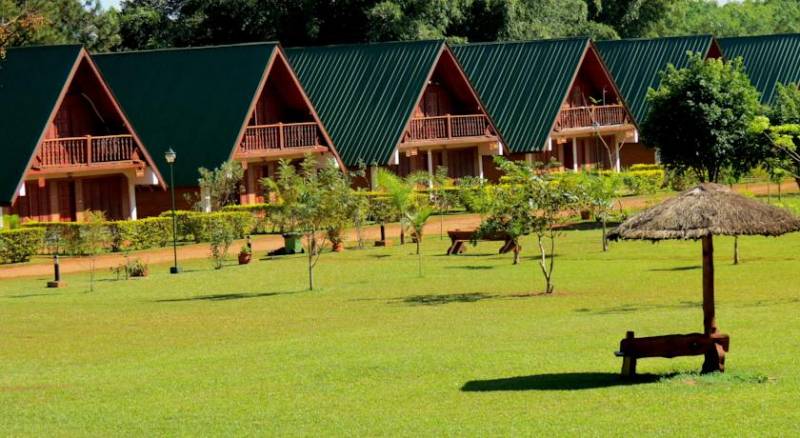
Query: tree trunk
419	257
735	250
310	271
780	198
441	225
605	239
517	251
402	234
383	232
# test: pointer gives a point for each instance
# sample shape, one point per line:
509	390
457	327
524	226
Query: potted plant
335	236
138	269
245	255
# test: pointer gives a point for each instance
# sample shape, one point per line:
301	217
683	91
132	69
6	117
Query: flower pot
293	243
245	258
383	243
338	246
586	215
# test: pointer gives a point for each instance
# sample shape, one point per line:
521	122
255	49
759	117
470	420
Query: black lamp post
170	156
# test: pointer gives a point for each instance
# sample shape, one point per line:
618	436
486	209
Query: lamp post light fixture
170	156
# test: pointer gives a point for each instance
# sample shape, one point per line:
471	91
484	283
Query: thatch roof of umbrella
701	213
707	210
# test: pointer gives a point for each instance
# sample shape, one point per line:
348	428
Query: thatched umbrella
701	213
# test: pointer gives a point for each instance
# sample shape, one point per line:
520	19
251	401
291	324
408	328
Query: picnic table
459	239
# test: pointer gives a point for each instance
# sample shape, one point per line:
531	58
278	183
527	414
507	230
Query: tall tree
64	22
700	119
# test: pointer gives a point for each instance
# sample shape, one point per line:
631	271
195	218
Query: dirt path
272	242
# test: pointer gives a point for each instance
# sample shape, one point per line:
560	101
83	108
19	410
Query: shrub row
193	226
19	245
69	238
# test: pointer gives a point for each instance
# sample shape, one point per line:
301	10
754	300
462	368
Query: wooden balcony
449	127
279	139
591	117
83	152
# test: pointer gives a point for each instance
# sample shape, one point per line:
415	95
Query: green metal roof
768	59
365	94
193	100
635	64
31	80
522	85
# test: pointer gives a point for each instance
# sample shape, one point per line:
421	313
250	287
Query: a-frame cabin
212	104
551	100
67	145
636	65
406	106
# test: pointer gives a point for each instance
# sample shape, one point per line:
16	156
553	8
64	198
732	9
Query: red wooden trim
474	93
253	102
50	119
106	89
313	109
569	87
613	83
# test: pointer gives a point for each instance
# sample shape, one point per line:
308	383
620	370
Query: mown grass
378	351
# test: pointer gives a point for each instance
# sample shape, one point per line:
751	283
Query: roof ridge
502	43
672	37
764	36
192	48
369	44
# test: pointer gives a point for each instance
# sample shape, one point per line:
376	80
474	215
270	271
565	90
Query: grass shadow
438	300
33	295
629	308
557	382
677	269
223	297
471	267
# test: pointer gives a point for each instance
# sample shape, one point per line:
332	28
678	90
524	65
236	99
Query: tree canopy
701	119
145	24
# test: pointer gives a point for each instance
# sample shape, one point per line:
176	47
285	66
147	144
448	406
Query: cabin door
105	194
66	200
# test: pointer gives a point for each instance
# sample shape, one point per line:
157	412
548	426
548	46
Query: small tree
311	199
220	185
221	236
531	201
94	239
700	116
414	207
599	192
442	197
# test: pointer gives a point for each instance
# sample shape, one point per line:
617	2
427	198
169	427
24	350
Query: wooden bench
713	346
460	238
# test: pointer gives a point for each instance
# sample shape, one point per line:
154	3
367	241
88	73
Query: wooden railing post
88	149
449	126
280	135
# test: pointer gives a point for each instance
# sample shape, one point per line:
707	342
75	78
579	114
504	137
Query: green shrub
10	222
153	232
638	167
200	225
20	245
184	232
261	214
60	237
643	182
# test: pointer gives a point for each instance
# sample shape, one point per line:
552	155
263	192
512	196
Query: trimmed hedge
152	232
20	245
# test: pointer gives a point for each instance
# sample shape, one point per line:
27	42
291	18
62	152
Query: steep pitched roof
523	84
32	81
768	59
636	63
365	93
194	100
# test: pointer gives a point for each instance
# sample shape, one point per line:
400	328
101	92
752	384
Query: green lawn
379	351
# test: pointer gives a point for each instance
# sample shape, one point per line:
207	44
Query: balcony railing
448	127
279	136
589	116
87	151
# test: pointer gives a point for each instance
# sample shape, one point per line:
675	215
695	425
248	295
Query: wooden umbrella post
715	355
709	317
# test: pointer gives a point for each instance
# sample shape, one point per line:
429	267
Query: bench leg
628	366
714	360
